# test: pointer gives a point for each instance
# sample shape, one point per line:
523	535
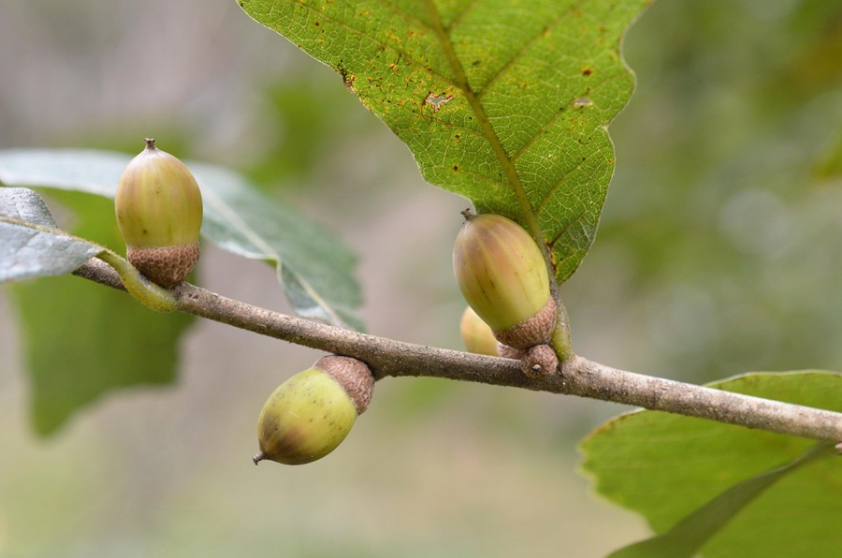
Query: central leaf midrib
490	134
224	210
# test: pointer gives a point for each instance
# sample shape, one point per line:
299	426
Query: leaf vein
546	126
418	64
461	16
524	49
250	234
558	183
514	181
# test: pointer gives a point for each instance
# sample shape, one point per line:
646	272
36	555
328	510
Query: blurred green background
717	254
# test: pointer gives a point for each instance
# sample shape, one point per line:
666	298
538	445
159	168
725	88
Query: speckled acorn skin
159	210
503	276
311	413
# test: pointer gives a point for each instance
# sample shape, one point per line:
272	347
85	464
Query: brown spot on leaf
437	100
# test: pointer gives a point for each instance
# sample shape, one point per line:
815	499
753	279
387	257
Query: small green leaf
669	468
315	268
31	244
81	340
503	102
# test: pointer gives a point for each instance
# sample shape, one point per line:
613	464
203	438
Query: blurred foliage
718	236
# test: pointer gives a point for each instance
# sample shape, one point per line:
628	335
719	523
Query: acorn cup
159	212
502	274
309	415
539	361
509	352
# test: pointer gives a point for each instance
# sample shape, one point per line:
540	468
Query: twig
579	376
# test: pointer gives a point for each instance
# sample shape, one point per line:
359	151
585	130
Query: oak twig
579	376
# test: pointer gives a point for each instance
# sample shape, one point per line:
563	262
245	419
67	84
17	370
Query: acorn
159	211
476	334
539	361
309	415
502	275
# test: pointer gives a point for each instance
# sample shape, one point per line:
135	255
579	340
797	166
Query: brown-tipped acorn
476	334
309	415
539	361
159	211
502	275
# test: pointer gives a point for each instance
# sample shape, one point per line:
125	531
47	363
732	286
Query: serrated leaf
501	101
82	341
668	467
32	246
315	268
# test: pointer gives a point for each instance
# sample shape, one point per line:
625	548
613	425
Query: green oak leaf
502	101
81	340
314	268
732	491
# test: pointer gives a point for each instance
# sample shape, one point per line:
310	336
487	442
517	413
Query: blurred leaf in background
716	246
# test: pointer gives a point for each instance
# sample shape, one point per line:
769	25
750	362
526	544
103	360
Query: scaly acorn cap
476	334
536	330
539	361
502	274
309	415
159	211
509	352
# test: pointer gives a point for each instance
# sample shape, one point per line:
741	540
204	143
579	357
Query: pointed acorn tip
467	214
150	143
258	457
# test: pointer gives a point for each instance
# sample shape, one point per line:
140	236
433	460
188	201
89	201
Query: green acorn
159	211
476	334
502	275
309	415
